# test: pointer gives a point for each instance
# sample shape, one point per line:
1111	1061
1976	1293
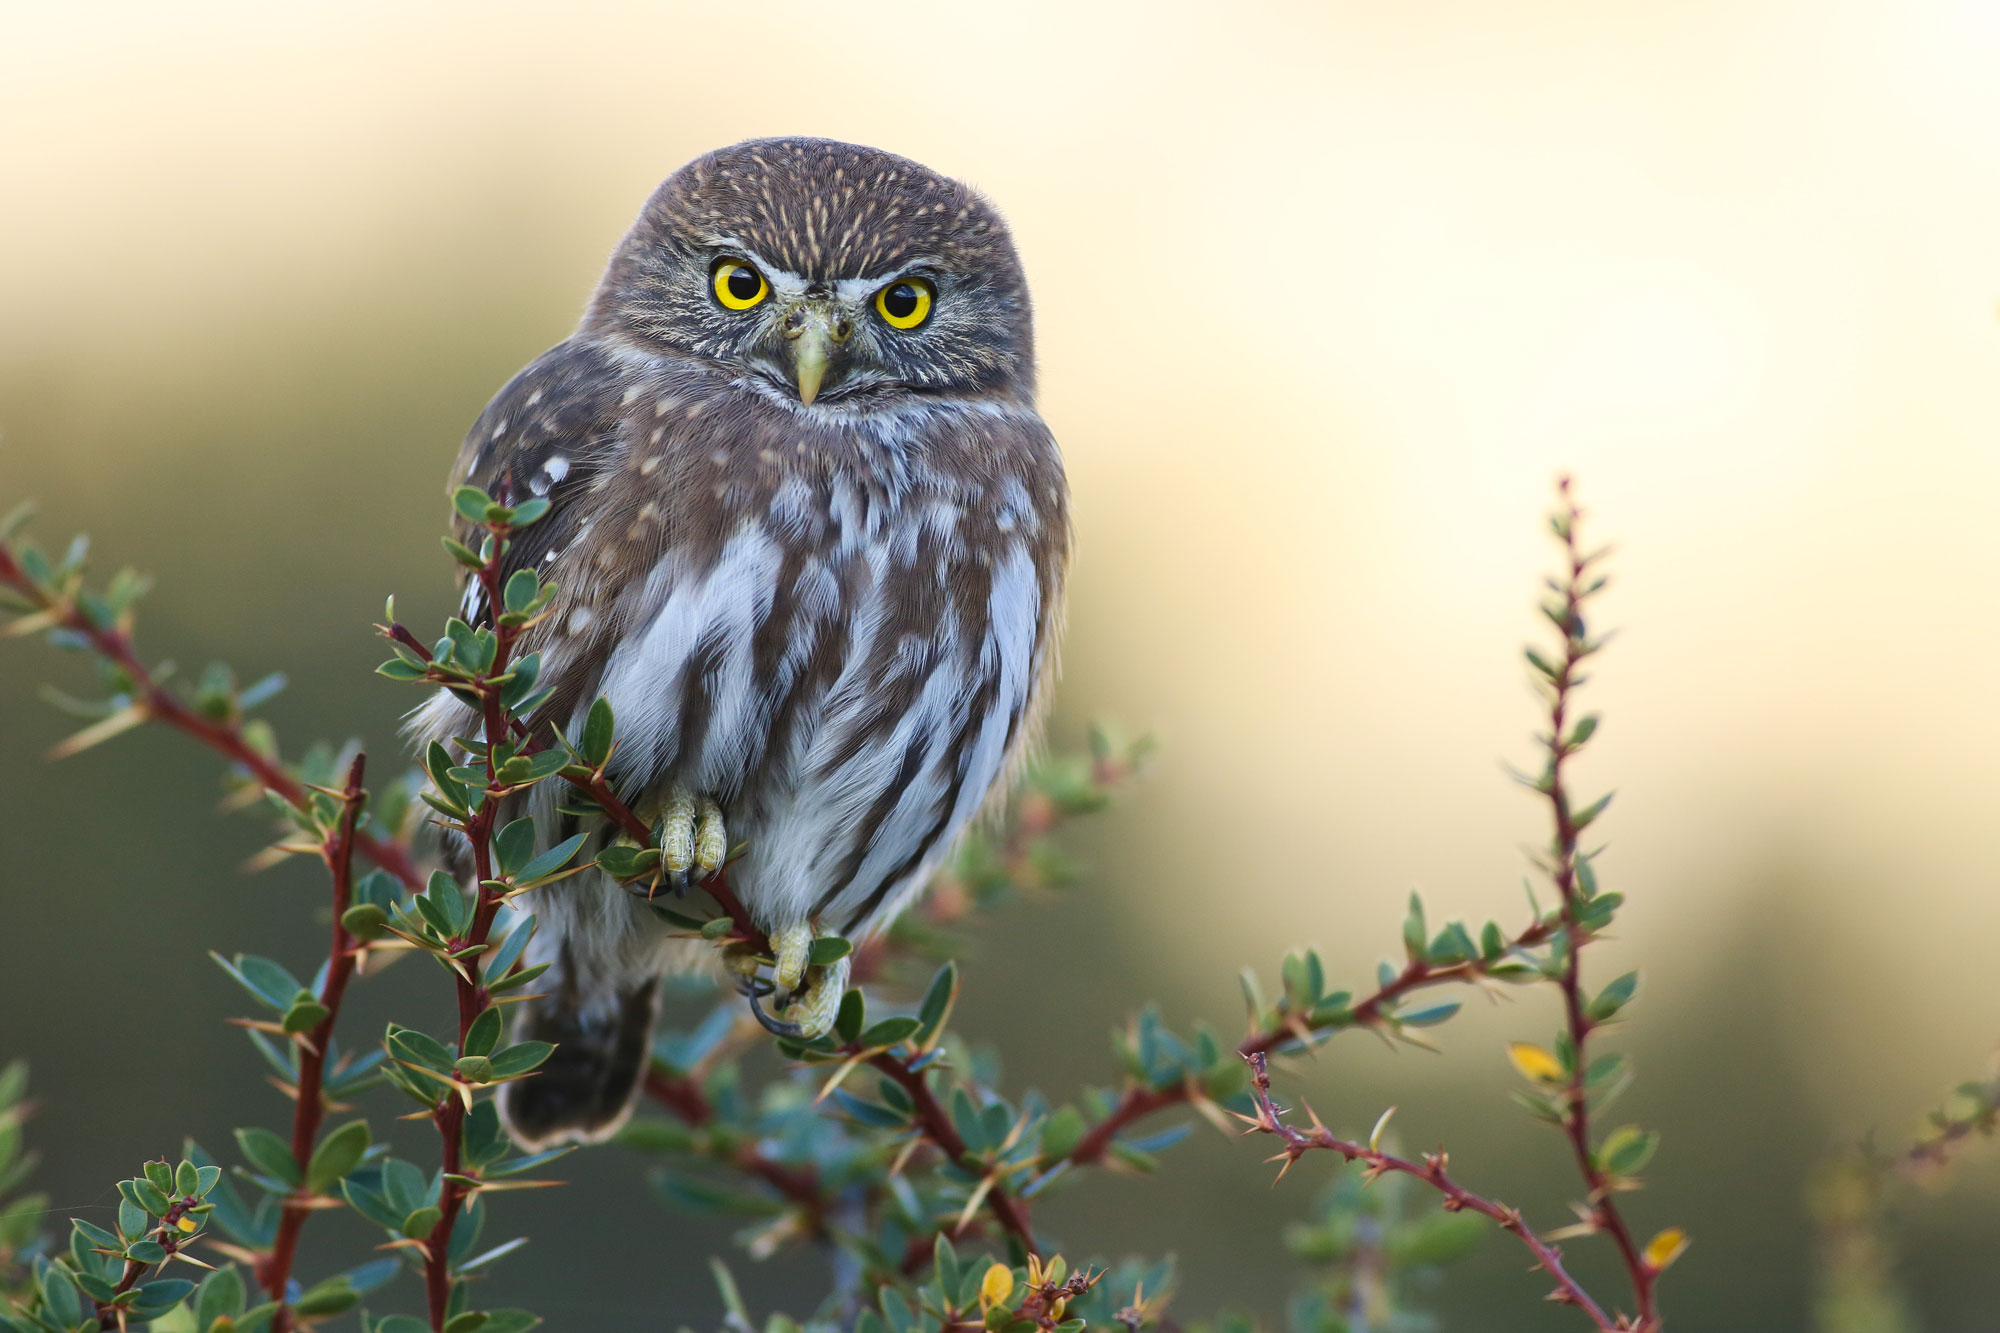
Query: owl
810	536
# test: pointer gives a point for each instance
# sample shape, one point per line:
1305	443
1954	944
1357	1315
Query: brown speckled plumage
833	617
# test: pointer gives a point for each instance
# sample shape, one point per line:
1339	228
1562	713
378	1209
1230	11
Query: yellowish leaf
1666	1247
996	1286
1536	1065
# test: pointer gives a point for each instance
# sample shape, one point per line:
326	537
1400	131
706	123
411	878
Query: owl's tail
585	1090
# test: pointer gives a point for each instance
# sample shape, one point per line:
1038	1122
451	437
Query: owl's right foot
694	842
807	997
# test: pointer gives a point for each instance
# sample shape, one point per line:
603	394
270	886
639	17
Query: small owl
810	537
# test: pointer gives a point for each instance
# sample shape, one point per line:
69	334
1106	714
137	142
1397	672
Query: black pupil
744	284
900	301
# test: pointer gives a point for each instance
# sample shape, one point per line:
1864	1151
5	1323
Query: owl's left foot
694	842
807	997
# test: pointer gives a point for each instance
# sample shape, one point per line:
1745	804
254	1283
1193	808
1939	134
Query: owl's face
827	273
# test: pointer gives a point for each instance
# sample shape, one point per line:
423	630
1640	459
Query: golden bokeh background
1327	295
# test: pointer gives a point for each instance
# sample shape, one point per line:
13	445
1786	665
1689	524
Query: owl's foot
694	842
808	997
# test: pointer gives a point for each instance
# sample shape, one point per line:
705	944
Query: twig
309	1108
1604	1212
450	1112
1140	1102
935	1124
156	703
684	1097
1431	1171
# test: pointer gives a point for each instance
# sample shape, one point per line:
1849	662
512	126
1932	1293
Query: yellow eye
739	286
905	304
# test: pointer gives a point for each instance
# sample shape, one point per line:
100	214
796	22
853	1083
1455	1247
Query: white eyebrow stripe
863	289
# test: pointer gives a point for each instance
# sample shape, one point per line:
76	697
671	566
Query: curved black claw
668	886
754	990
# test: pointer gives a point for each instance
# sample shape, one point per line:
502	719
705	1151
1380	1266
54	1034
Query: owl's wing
548	434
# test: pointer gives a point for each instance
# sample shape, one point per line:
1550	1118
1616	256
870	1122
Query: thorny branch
1269	1119
450	1112
1561	742
309	1104
151	701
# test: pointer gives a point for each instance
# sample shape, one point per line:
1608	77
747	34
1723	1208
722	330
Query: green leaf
1431	1017
944	1264
220	1296
598	730
1626	1150
829	949
159	1296
337	1154
304	1016
514	845
1613	998
1415	933
484	1034
520	1058
471	504
418	1224
517	979
327	1298
549	862
269	982
852	1015
365	921
889	1031
401	1323
414	1047
935	1011
521	590
628	862
1588	815
269	1154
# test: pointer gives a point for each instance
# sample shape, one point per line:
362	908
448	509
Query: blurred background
1327	295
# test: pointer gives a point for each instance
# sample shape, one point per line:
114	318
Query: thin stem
1140	1102
935	1125
450	1111
156	703
1604	1213
309	1108
1431	1171
684	1097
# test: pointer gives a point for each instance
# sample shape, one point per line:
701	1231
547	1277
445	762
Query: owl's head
832	273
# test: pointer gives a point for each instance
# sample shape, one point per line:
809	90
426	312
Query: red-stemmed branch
170	1238
449	1114
309	1107
152	701
1562	743
684	1097
1269	1119
935	1124
1371	1010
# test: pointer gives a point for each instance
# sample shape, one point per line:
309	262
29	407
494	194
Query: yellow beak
814	342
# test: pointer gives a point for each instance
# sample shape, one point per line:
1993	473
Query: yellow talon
808	997
816	1004
791	948
711	839
677	832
